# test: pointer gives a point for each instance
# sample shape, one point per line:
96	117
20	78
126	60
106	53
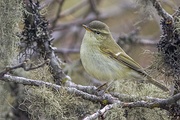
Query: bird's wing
123	58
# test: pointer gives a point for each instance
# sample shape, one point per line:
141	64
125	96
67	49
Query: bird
105	60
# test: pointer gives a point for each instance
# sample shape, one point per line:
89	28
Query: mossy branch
106	99
157	104
36	31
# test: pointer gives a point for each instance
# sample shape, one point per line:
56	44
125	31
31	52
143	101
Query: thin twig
7	69
26	65
66	51
38	66
93	7
57	14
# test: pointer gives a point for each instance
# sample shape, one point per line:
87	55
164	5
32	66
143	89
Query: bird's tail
157	84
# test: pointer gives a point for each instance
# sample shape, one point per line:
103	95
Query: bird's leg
109	85
101	87
104	87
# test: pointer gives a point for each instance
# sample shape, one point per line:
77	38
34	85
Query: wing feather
123	58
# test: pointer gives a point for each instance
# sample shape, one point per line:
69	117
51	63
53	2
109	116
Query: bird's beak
86	27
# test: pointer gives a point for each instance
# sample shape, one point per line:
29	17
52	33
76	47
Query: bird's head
97	31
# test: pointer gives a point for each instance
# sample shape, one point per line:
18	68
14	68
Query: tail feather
157	84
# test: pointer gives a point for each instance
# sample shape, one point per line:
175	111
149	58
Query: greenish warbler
105	60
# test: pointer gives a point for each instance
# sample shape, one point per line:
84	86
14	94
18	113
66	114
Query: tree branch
71	90
83	91
160	10
157	104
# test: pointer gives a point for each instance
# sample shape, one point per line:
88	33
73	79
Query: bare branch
93	6
66	51
133	38
57	14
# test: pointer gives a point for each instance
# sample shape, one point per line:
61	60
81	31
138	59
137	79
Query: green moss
10	16
44	103
146	114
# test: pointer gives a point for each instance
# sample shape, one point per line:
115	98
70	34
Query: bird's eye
97	32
